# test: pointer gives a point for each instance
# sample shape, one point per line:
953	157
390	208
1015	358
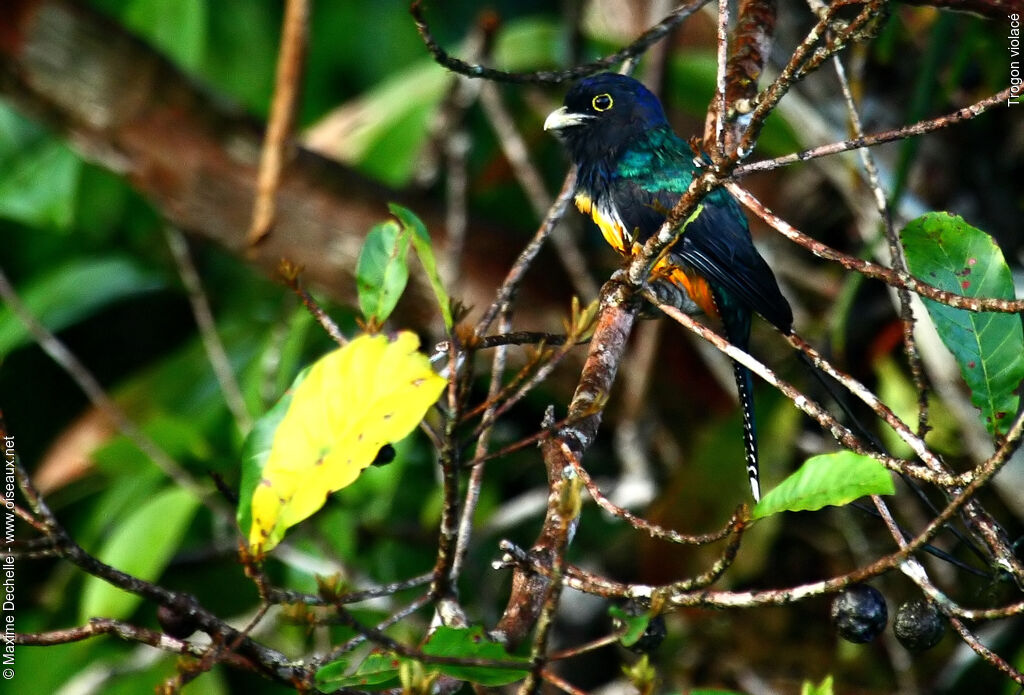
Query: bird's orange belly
613	232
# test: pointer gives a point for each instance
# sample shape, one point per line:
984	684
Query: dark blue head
602	114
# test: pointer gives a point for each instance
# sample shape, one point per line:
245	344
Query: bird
632	168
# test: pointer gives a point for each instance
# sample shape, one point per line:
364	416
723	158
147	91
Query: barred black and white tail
745	386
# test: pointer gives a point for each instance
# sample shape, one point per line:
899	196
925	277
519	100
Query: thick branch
614	325
128	109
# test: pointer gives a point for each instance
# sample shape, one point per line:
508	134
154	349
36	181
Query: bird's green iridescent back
660	163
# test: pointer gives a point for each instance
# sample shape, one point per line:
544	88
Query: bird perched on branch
632	170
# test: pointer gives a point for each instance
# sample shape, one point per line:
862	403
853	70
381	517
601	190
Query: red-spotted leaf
945	251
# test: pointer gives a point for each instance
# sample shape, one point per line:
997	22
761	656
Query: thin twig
346	647
889	276
549	363
897	259
916	443
718	109
510	285
919	128
637	48
290	274
650	528
984	652
277	595
740	599
560	683
215	351
476	472
283	109
270	662
442	587
125	631
841	433
513	338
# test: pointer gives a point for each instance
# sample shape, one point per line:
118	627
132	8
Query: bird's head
602	114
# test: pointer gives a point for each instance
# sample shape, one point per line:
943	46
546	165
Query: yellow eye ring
602	102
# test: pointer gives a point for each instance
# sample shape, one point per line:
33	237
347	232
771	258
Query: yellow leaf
354	400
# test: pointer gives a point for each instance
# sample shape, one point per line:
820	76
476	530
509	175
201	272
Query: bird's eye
602	102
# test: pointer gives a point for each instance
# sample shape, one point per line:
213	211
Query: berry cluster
860	615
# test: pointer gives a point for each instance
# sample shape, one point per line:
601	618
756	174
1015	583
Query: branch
650	528
633	50
207	325
131	633
919	128
283	109
841	433
127	108
270	662
895	278
738	599
614	324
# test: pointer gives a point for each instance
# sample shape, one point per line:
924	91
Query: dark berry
653	636
919	625
175	624
655	632
859	613
385	456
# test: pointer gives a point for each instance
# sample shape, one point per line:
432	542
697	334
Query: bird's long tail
736	321
745	387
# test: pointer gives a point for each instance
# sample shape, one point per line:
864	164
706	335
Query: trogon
632	169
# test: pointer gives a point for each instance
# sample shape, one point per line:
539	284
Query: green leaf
382	271
826	479
39	185
528	44
177	27
471	643
256	451
945	251
634	624
383	131
823	688
141	545
72	292
425	252
380	670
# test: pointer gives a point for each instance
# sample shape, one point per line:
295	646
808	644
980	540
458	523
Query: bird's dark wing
717	244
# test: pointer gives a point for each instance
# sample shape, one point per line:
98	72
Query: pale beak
563	118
